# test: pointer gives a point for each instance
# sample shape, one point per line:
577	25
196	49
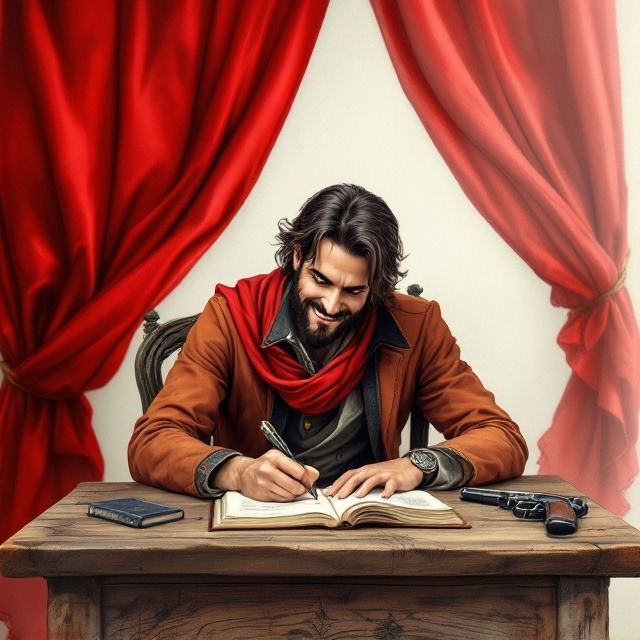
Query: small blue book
133	512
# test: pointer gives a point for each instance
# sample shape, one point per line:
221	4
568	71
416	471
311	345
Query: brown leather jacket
213	390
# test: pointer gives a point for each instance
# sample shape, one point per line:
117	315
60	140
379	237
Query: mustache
334	316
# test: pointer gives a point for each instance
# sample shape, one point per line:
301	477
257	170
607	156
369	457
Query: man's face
331	294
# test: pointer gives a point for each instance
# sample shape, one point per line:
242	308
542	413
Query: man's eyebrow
354	289
320	276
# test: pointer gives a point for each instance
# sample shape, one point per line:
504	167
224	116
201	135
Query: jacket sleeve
456	403
173	437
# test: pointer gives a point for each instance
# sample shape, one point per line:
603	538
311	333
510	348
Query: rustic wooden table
503	578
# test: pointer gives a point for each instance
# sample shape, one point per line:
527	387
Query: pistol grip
560	519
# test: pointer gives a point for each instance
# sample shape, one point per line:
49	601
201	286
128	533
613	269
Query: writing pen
276	441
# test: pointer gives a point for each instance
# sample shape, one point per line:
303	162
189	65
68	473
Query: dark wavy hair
354	219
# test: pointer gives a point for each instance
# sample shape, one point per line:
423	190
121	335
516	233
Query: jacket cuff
453	470
459	472
207	468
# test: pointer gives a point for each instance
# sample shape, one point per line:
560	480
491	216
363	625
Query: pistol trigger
528	510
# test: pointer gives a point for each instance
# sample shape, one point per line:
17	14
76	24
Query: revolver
559	513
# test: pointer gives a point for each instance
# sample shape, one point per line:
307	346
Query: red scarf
254	303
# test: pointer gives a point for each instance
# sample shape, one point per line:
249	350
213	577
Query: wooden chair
158	343
162	340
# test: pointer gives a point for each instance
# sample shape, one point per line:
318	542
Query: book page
239	506
416	499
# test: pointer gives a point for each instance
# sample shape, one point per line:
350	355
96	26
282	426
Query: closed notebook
134	512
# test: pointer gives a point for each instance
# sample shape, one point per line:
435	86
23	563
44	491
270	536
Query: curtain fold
522	99
131	134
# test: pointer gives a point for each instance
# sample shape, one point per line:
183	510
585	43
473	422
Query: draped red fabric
254	304
522	99
132	132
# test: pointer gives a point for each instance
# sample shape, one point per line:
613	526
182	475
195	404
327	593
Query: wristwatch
425	460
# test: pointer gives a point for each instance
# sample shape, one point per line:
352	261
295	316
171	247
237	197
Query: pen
276	441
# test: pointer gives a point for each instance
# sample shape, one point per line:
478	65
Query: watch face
424	460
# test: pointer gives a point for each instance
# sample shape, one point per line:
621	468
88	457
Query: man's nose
332	302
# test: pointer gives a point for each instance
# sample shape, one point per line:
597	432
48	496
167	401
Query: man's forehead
327	248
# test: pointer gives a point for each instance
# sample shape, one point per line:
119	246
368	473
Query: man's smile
324	316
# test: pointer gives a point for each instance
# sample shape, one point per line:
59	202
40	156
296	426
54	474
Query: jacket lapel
387	334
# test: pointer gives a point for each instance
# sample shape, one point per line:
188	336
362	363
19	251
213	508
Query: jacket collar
387	332
282	327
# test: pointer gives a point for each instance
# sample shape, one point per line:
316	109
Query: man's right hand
270	478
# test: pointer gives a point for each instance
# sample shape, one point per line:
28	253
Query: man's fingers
302	475
355	481
312	473
309	477
294	476
389	488
334	489
371	482
273	477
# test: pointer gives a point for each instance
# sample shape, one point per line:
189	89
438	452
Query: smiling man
328	351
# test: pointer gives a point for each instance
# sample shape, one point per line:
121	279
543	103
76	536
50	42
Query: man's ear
297	257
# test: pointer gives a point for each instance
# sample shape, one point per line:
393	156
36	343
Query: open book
408	508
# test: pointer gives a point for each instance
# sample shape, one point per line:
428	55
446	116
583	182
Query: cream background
352	123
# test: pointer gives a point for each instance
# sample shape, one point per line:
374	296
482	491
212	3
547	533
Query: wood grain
64	541
245	612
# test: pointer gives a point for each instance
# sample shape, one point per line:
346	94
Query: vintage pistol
559	513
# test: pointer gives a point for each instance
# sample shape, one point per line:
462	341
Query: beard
323	335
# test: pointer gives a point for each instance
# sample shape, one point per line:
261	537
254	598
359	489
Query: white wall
352	123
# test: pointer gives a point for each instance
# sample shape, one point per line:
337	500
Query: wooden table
503	578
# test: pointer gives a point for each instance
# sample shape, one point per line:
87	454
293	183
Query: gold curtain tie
10	376
619	283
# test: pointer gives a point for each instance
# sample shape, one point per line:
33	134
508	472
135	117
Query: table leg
583	608
74	611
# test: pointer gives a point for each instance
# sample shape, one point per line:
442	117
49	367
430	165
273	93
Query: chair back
160	341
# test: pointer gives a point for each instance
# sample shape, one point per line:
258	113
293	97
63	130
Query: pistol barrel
488	496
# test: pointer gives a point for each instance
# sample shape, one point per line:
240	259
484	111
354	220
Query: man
335	358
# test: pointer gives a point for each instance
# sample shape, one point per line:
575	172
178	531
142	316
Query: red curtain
132	132
522	99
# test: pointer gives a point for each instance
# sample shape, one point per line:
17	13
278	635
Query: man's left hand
394	475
